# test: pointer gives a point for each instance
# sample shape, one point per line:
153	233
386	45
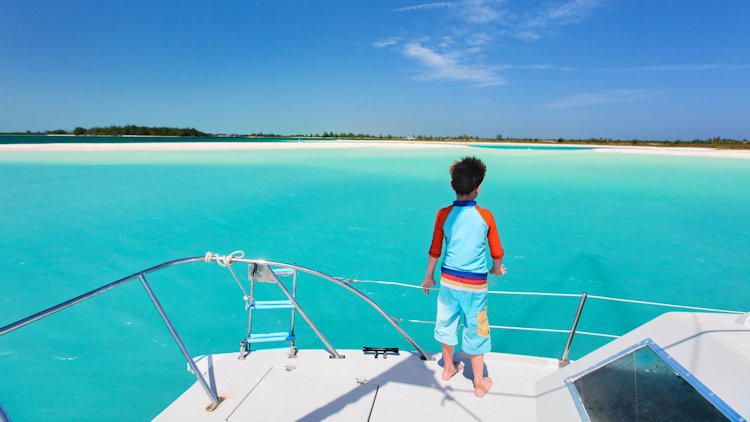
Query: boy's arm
497	267
493	240
429	278
435	249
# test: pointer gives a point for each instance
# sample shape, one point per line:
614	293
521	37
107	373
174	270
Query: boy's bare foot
481	388
449	372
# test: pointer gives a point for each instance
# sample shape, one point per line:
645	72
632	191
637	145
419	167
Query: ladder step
282	271
264	338
272	304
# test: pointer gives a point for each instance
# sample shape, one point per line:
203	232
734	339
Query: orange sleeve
493	239
436	247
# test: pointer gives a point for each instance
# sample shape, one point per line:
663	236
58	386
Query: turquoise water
671	229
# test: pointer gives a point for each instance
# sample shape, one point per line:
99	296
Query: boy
468	230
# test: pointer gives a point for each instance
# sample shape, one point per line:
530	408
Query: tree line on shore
715	142
127	130
133	130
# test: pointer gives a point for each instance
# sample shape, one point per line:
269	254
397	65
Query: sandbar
208	146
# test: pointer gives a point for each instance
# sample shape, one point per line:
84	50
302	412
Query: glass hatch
644	383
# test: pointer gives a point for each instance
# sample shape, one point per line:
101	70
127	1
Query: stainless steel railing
141	275
215	400
573	331
343	282
3	416
60	306
564	361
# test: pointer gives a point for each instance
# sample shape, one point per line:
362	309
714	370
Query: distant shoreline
48	138
397	144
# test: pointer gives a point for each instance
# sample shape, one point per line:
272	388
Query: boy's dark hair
467	174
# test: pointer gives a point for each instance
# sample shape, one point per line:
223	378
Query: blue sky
664	69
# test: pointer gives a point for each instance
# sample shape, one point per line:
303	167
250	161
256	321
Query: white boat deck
269	386
713	348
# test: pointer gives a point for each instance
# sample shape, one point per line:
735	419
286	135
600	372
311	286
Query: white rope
349	280
498	292
226	261
354	280
586	333
614	299
549	330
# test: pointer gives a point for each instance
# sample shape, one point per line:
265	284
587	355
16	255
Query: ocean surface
657	228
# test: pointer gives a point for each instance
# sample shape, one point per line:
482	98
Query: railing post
3	416
214	399
292	347
245	345
334	353
564	361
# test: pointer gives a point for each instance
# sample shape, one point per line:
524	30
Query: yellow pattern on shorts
483	325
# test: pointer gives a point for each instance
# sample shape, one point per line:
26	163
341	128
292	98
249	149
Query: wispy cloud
534	67
552	15
458	48
571	11
590	99
526	35
473	11
678	68
479	38
427	6
482	11
445	67
386	42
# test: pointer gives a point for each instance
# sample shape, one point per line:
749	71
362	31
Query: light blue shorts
451	305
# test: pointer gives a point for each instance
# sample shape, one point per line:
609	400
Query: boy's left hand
498	270
427	284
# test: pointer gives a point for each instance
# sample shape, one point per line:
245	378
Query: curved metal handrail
60	306
141	275
20	323
4	416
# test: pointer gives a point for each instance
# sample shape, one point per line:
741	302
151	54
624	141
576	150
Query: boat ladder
263	273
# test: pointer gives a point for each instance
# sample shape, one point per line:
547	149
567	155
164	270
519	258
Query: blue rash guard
467	230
